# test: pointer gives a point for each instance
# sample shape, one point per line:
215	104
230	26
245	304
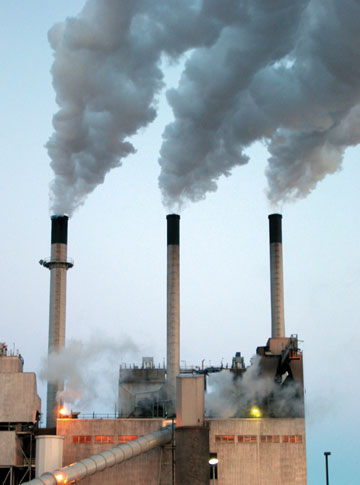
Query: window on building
270	439
82	439
104	439
247	438
292	438
125	438
225	438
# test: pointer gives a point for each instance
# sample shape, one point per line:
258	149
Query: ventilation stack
58	266
173	307
276	277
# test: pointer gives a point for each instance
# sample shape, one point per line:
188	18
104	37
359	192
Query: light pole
213	461
327	454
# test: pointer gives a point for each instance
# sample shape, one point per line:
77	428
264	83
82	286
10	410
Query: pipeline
106	459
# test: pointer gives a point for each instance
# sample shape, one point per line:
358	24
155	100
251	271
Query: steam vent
232	424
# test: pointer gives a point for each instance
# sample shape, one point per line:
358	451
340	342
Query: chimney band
173	229
275	228
59	229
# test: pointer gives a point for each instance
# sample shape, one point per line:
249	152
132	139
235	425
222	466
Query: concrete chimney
173	307
276	277
58	266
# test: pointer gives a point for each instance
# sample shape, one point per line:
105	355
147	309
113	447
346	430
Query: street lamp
327	454
213	461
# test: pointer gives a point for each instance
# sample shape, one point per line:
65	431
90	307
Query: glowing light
60	477
255	412
63	412
213	459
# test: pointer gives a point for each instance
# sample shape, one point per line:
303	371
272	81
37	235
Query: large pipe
173	307
106	459
58	266
276	277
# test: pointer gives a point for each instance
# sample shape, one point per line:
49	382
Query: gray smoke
89	370
106	74
281	72
231	396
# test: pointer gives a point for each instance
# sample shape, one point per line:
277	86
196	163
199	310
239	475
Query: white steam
89	370
282	72
230	396
106	74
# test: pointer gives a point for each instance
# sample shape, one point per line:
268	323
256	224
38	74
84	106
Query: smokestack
276	277
58	266
173	306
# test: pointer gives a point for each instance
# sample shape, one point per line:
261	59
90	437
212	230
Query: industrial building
19	418
224	425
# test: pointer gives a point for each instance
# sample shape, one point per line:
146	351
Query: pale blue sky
118	242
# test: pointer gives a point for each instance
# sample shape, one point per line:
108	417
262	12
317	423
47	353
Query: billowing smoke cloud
282	72
230	396
106	75
89	370
278	71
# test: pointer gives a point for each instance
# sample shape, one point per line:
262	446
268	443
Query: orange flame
63	412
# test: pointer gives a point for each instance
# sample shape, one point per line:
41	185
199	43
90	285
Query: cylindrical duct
106	459
173	306
49	453
58	265
276	277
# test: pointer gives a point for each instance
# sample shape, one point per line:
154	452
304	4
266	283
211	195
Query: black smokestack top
173	229
59	229
275	231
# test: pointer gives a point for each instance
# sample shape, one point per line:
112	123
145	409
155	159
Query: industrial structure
19	417
58	265
224	425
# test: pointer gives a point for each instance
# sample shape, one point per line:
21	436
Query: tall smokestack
58	265
276	277
173	306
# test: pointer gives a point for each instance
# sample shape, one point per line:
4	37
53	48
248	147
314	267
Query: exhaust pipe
173	306
107	459
58	266
276	277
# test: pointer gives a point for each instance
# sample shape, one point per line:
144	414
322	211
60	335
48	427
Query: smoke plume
281	72
89	370
106	74
231	396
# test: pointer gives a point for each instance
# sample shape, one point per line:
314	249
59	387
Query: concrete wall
11	363
189	400
151	468
192	455
250	451
19	400
10	451
259	451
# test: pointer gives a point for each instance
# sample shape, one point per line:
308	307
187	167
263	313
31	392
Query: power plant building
20	408
225	425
